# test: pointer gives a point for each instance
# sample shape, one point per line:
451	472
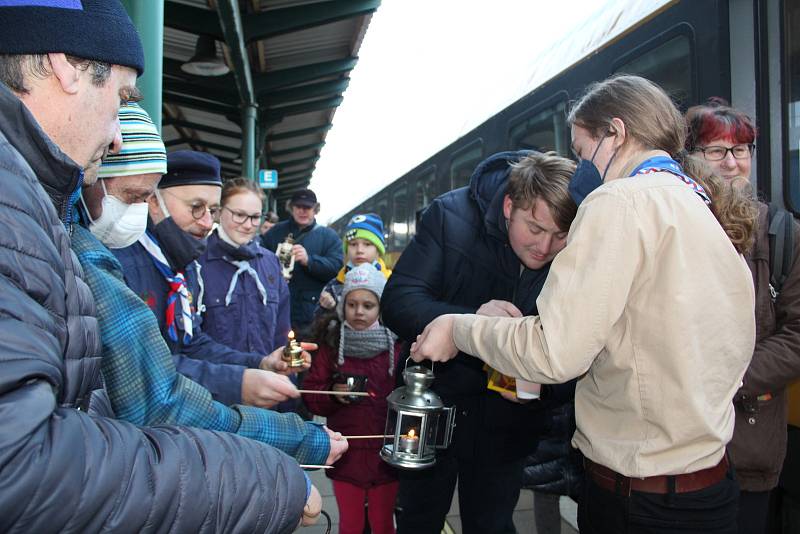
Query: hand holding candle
294	355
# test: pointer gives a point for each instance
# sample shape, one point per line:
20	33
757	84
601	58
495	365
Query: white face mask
120	225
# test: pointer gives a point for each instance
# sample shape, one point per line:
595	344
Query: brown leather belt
612	481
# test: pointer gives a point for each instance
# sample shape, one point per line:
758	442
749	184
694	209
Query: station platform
523	515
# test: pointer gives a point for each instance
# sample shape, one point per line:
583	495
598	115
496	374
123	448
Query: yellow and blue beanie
142	150
366	226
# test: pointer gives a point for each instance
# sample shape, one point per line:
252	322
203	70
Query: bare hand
339	446
312	508
300	255
274	362
436	341
265	389
499	308
326	300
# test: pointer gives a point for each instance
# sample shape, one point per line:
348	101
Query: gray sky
430	71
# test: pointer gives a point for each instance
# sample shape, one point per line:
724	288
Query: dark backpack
781	247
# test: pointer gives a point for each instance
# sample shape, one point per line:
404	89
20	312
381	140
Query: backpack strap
781	247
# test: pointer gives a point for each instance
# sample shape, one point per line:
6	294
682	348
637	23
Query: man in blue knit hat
66	464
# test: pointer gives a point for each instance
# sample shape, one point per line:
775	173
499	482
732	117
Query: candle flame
412	433
291	335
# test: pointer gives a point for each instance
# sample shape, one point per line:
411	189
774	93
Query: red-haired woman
725	137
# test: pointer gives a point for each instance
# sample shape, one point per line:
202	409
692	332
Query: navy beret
98	30
187	167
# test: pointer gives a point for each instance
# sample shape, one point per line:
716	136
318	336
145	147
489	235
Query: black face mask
179	247
587	178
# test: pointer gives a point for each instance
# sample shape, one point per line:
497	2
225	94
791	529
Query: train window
399	227
547	130
464	162
669	65
382	209
426	189
791	60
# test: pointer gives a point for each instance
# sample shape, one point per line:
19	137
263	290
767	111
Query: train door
789	49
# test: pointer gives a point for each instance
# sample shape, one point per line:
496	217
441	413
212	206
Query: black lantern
417	423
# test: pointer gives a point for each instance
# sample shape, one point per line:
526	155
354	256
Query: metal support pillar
148	17
249	114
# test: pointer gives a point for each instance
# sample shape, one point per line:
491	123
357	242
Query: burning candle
293	352
409	442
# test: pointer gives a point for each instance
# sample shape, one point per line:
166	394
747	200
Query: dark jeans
707	511
487	496
753	512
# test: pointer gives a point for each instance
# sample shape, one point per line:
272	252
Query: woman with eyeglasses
725	137
246	298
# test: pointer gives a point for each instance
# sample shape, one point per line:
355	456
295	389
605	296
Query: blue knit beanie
366	226
98	30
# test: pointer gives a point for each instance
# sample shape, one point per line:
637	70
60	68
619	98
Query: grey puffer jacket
61	469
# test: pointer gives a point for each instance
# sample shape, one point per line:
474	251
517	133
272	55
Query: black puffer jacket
62	470
459	259
556	466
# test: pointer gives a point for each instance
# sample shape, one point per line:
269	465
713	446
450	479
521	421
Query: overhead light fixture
205	61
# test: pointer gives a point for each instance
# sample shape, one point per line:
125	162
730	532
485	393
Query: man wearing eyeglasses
162	269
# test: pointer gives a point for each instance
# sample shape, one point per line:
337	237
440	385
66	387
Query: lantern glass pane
431	431
408	434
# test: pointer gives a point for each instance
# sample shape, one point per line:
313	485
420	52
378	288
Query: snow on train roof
604	26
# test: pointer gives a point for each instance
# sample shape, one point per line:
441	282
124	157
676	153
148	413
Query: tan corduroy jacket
652	304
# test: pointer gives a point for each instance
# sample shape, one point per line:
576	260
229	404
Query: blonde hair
544	176
651	119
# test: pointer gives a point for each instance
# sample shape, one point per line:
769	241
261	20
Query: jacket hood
59	175
487	187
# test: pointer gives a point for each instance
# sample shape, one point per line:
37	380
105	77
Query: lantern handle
405	366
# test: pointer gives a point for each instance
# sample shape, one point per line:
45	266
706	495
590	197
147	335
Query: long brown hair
652	120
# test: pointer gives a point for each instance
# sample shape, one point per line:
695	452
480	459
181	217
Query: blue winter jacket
325	258
245	323
213	365
459	259
62	469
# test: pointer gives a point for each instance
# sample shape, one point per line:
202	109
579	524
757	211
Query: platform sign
268	179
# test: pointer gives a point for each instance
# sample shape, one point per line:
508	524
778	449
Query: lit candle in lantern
410	442
293	352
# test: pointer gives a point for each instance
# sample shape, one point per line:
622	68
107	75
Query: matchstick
343	393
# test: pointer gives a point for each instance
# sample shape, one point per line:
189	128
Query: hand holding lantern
285	254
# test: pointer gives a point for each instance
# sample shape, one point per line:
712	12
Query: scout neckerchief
666	164
239	257
177	288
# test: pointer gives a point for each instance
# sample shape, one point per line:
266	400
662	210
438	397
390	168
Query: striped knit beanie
143	151
368	226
